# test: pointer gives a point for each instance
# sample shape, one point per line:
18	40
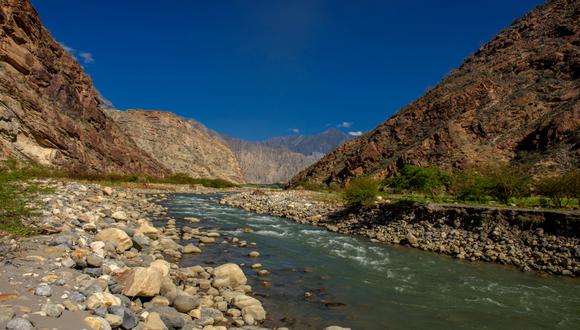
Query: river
355	283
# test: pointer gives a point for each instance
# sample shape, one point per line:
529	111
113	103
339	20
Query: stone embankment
100	264
545	241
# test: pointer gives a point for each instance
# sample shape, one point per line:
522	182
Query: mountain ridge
178	144
514	100
50	112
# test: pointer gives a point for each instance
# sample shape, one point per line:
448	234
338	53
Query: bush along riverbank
99	263
531	240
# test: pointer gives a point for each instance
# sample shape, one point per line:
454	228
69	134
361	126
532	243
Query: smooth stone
190	248
52	310
120	216
97	323
102	299
229	275
120	238
19	324
43	290
185	303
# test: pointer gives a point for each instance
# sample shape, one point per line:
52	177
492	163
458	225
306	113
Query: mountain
514	100
181	145
278	159
264	164
267	163
50	112
309	144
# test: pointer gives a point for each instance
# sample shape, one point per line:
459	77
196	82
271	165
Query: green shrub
361	192
15	197
559	187
508	182
419	179
471	185
502	182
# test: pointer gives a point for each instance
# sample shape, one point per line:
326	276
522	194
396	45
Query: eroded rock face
49	110
516	99
179	145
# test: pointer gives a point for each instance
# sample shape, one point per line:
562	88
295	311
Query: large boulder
229	275
140	281
121	240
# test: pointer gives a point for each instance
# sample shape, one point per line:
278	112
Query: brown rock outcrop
49	109
177	144
515	100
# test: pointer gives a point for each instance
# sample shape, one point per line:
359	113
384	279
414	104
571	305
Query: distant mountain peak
309	144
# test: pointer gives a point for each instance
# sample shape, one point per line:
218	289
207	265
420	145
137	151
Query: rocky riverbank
542	241
100	264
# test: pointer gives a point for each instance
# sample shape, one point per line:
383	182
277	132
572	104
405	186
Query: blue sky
255	69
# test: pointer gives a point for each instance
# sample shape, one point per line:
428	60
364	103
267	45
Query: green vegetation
361	192
16	198
115	179
496	185
501	182
29	171
560	189
429	180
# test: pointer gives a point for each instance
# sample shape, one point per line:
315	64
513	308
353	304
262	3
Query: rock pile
102	265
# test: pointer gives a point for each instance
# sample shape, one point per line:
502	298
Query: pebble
43	290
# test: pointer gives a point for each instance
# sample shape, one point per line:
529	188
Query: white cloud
294	130
87	57
345	124
355	133
67	48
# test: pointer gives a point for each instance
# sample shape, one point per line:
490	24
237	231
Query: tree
361	192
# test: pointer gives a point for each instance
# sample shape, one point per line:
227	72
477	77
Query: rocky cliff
179	144
264	164
514	100
49	110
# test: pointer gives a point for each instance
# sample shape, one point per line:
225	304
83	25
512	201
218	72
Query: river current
320	278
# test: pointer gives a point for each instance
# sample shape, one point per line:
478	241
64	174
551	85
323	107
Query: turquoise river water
355	283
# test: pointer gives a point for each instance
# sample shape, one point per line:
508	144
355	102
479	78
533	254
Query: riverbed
320	278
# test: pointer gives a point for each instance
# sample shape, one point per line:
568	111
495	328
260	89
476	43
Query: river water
355	283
